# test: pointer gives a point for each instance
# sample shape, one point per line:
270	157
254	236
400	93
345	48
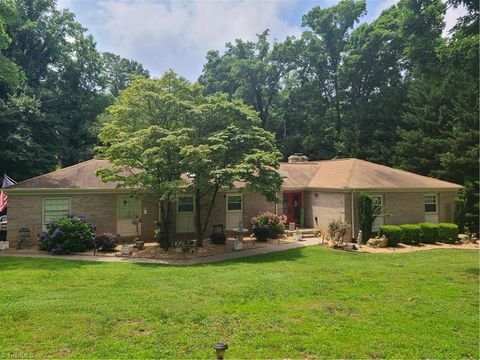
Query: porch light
220	349
125	202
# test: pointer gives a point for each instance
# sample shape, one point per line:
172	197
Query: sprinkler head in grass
220	349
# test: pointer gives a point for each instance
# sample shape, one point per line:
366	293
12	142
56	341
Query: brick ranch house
313	193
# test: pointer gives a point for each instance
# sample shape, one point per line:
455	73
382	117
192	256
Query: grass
302	303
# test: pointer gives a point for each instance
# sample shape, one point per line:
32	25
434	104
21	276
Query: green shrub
447	233
393	233
429	233
366	215
216	238
261	233
67	235
459	214
412	234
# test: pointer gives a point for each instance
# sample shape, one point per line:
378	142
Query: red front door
292	204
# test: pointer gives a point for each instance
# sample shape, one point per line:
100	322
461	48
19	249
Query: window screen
55	208
430	203
185	204
234	202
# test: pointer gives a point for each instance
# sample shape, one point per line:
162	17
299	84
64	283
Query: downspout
353	215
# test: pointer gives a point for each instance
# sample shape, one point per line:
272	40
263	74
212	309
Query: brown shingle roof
328	174
355	174
79	176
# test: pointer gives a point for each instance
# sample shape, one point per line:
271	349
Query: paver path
192	261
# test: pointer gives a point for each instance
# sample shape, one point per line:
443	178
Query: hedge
393	233
412	234
447	233
429	233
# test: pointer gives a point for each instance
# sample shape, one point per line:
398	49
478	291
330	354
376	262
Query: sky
177	34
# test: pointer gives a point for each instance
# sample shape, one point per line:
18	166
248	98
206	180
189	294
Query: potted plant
139	244
4	244
297	235
260	233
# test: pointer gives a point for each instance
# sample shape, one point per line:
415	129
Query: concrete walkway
192	261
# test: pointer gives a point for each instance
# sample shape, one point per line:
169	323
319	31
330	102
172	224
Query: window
185	204
234	202
55	208
430	203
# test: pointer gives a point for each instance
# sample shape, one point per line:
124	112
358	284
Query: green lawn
302	303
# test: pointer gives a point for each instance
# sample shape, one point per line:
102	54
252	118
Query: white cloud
178	35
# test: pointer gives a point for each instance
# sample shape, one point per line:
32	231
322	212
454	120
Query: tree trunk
210	207
165	224
198	222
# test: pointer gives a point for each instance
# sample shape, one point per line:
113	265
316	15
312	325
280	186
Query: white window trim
241	202
44	225
436	204
178	203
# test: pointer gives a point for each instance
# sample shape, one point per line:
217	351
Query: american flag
3	195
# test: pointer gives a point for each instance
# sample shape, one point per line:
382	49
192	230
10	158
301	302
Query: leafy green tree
249	71
332	27
142	137
120	71
228	147
161	129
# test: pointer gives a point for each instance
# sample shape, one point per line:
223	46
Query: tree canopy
166	136
395	90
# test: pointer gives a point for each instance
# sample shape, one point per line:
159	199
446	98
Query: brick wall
407	207
252	205
24	211
326	206
101	210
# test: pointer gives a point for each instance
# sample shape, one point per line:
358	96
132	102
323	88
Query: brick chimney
297	158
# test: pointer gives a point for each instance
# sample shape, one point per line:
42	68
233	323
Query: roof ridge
54	171
354	162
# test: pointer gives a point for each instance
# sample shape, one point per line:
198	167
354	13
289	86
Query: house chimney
297	158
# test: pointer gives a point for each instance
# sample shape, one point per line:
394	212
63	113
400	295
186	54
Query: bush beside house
447	233
68	235
393	233
412	234
268	225
419	233
429	233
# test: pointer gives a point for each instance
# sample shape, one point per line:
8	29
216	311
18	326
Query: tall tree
249	71
56	105
332	27
120	71
161	129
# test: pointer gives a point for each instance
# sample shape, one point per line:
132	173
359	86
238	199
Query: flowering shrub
66	235
272	222
105	242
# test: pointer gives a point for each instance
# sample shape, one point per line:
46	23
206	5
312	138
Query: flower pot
139	244
126	250
297	236
4	245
